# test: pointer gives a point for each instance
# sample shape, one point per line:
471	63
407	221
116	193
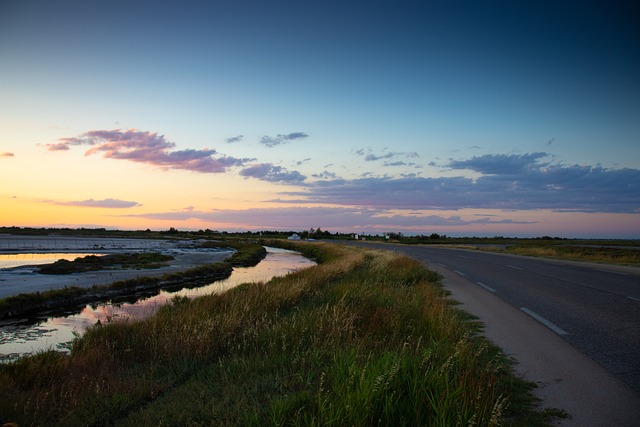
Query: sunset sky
514	118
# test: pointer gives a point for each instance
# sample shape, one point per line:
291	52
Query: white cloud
105	203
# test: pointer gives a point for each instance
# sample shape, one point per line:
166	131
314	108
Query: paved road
592	307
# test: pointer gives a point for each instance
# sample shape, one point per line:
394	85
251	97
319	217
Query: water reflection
18	338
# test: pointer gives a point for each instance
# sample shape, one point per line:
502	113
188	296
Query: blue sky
464	118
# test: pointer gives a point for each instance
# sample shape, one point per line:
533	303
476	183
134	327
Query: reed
364	338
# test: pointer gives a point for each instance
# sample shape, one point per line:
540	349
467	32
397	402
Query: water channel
22	337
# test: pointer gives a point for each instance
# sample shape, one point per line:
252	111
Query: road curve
574	328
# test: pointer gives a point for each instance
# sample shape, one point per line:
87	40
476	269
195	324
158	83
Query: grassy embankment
363	338
73	296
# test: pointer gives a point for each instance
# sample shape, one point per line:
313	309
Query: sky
464	118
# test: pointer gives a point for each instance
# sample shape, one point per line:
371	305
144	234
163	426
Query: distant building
294	236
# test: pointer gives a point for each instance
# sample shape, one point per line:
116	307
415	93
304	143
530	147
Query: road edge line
555	328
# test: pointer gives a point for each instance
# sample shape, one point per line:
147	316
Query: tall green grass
364	338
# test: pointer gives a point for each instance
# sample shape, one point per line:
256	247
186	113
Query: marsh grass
364	338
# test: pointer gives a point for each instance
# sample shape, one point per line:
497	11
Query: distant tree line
311	233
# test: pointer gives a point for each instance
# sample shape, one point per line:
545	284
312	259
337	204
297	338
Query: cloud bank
507	182
297	218
501	164
149	148
6	154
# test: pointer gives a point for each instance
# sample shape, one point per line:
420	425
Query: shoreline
26	279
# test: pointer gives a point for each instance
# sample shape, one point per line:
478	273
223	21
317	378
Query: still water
18	338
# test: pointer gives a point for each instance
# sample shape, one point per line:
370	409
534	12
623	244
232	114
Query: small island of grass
137	260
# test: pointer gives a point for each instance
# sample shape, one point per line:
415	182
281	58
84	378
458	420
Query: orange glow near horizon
34	213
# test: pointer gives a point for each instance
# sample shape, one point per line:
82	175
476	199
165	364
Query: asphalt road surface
594	308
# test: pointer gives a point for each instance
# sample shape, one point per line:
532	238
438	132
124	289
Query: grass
609	255
363	338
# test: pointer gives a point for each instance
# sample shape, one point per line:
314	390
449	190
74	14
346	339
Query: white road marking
555	328
489	288
465	257
459	272
441	264
635	299
515	268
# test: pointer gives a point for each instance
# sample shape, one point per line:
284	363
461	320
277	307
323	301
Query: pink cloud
150	148
58	147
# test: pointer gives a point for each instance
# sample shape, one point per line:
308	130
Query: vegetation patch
245	255
363	338
125	261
